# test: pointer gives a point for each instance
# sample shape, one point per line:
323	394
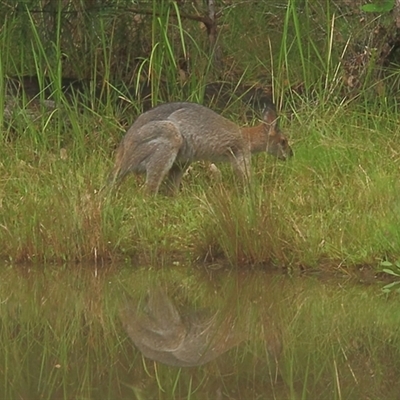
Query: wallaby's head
277	142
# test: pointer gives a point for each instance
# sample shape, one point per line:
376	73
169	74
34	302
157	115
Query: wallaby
166	139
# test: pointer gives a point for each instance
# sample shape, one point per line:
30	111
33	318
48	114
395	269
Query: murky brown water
178	333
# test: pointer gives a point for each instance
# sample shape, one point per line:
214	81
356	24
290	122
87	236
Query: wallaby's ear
270	117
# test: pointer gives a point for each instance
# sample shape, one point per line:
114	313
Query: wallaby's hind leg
160	161
158	167
153	150
175	176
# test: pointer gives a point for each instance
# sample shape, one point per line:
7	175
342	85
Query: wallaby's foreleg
241	165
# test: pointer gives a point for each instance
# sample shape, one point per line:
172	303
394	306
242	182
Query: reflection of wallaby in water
163	335
166	139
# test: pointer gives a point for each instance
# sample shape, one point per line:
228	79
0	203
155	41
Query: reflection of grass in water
61	337
342	342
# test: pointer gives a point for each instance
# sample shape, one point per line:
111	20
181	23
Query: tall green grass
334	205
335	200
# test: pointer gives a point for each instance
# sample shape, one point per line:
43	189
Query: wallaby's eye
283	142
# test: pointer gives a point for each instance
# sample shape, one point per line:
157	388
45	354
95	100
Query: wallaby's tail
116	175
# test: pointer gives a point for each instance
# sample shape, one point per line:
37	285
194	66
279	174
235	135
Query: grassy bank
336	200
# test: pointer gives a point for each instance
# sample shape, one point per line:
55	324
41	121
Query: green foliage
392	269
382	6
308	210
337	199
335	203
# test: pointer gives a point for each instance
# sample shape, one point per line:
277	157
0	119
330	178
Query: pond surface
194	333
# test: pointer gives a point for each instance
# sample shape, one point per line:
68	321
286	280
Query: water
138	333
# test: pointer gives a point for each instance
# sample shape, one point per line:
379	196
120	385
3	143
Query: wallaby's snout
278	146
163	142
277	143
